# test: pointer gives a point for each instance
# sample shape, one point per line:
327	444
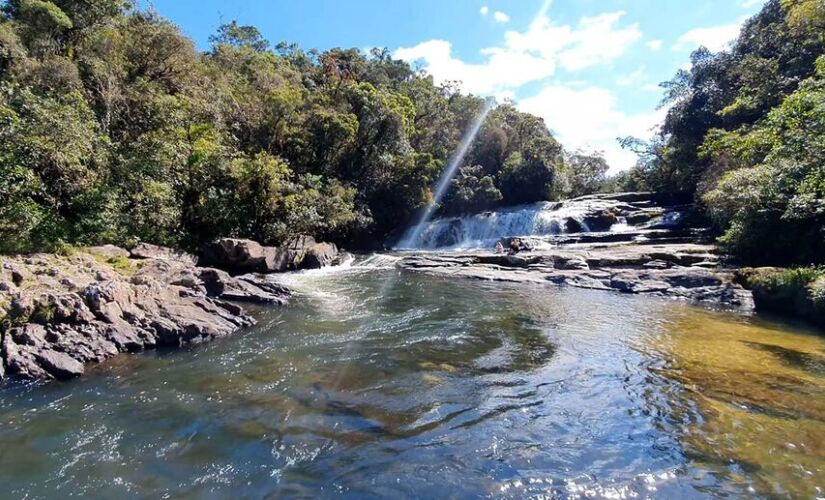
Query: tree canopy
115	128
744	135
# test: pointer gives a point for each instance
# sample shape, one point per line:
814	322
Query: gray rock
239	256
166	302
149	251
108	251
59	365
319	255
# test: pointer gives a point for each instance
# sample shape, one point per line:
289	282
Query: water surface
379	383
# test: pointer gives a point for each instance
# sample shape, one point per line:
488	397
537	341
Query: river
380	383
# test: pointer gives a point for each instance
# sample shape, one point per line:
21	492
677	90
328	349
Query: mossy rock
796	292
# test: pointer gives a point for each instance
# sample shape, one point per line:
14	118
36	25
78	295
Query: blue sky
590	68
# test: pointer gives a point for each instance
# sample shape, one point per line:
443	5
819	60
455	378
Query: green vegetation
115	128
798	292
745	135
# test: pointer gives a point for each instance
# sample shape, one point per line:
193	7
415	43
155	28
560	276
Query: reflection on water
421	386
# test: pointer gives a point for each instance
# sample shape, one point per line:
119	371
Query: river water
380	383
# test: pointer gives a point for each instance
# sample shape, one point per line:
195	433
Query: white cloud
580	114
501	16
485	10
502	70
531	55
751	3
654	44
715	38
631	78
589	118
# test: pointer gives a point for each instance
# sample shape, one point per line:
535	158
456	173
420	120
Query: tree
587	172
471	191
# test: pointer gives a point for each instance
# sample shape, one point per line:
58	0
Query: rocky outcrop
791	292
684	271
149	251
244	256
61	313
240	256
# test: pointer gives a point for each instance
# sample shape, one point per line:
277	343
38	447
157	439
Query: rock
59	365
601	220
149	251
657	264
575	262
108	251
786	292
626	268
642	216
689	277
291	253
76	310
239	256
572	225
634	282
319	255
513	245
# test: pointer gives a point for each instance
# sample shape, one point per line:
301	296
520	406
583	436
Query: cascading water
448	174
483	230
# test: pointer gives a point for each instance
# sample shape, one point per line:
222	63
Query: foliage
744	133
114	129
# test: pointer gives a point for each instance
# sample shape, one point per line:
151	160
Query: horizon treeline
745	136
114	128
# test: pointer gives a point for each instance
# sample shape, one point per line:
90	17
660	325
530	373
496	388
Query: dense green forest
114	128
745	135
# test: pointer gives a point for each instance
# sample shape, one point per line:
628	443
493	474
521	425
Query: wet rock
239	256
319	255
634	282
629	268
601	220
59	365
572	225
303	252
574	262
515	245
642	216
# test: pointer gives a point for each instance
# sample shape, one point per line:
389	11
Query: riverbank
61	312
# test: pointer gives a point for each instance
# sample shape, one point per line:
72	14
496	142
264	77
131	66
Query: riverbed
376	382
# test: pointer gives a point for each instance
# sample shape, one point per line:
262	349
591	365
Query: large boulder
240	256
303	252
292	252
320	255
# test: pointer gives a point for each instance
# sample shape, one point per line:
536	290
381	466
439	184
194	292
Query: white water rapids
484	229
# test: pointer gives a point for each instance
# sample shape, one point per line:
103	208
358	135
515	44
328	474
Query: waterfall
483	230
414	233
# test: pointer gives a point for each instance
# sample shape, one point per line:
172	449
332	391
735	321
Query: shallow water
379	383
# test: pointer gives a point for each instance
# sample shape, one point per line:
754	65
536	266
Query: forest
116	129
745	136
